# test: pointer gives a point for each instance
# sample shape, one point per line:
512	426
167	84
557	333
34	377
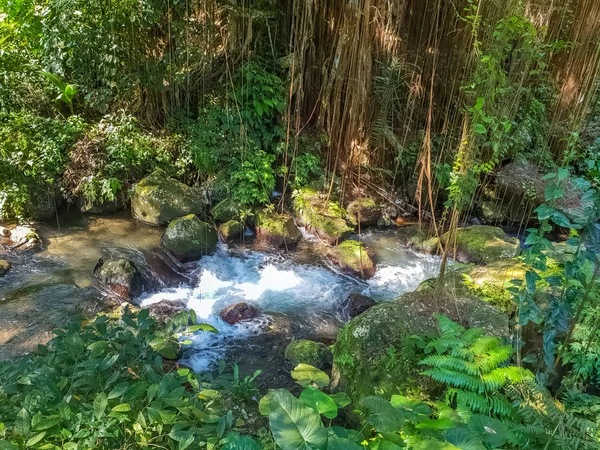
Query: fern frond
456	379
484	345
475	402
463	353
451	363
494	358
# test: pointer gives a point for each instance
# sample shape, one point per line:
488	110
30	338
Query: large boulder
373	353
120	277
520	187
24	237
277	230
357	304
238	312
4	267
352	257
483	244
158	199
225	211
303	351
365	211
322	216
230	230
188	238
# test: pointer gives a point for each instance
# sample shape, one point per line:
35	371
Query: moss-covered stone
364	210
422	242
225	211
323	217
278	230
188	238
353	257
4	267
120	277
372	352
158	199
230	230
483	244
303	351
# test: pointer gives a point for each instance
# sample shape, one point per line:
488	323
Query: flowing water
298	294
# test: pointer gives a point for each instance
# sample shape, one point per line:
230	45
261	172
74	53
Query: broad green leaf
35	439
23	422
264	405
549	176
544	211
123	407
463	439
563	173
241	443
202	327
561	220
341	399
384	417
338	443
491	431
410	406
5	445
479	128
553	191
99	405
306	375
322	402
294	425
479	104
435	445
436	424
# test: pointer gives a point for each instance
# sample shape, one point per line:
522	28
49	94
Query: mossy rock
483	244
353	257
278	230
323	217
100	207
364	210
188	238
121	277
373	353
231	230
4	267
224	211
158	199
303	351
424	243
44	202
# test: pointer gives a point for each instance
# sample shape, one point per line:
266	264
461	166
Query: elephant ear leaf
241	443
384	417
295	426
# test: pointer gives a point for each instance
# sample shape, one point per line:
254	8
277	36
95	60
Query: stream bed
299	294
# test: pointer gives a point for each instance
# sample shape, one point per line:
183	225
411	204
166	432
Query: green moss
188	237
303	351
352	256
483	244
277	229
422	242
230	230
364	208
225	211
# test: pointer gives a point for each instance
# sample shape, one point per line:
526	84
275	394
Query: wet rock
25	237
483	244
365	211
277	230
357	304
370	352
225	211
238	312
424	243
4	232
164	310
100	207
352	257
323	217
231	230
158	199
520	186
4	267
45	200
188	238
120	277
313	353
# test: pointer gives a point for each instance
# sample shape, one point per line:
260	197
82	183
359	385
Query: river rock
238	312
188	238
483	244
121	277
277	230
521	188
45	200
357	304
225	211
158	199
25	237
371	354
323	217
303	351
4	267
100	207
352	257
364	210
230	230
162	311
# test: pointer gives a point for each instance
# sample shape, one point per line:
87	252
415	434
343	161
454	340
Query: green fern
473	367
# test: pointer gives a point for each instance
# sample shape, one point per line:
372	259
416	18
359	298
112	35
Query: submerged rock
158	199
162	311
188	238
521	188
120	277
277	230
238	312
4	267
323	217
373	354
303	351
230	230
483	244
353	257
357	304
225	211
365	211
